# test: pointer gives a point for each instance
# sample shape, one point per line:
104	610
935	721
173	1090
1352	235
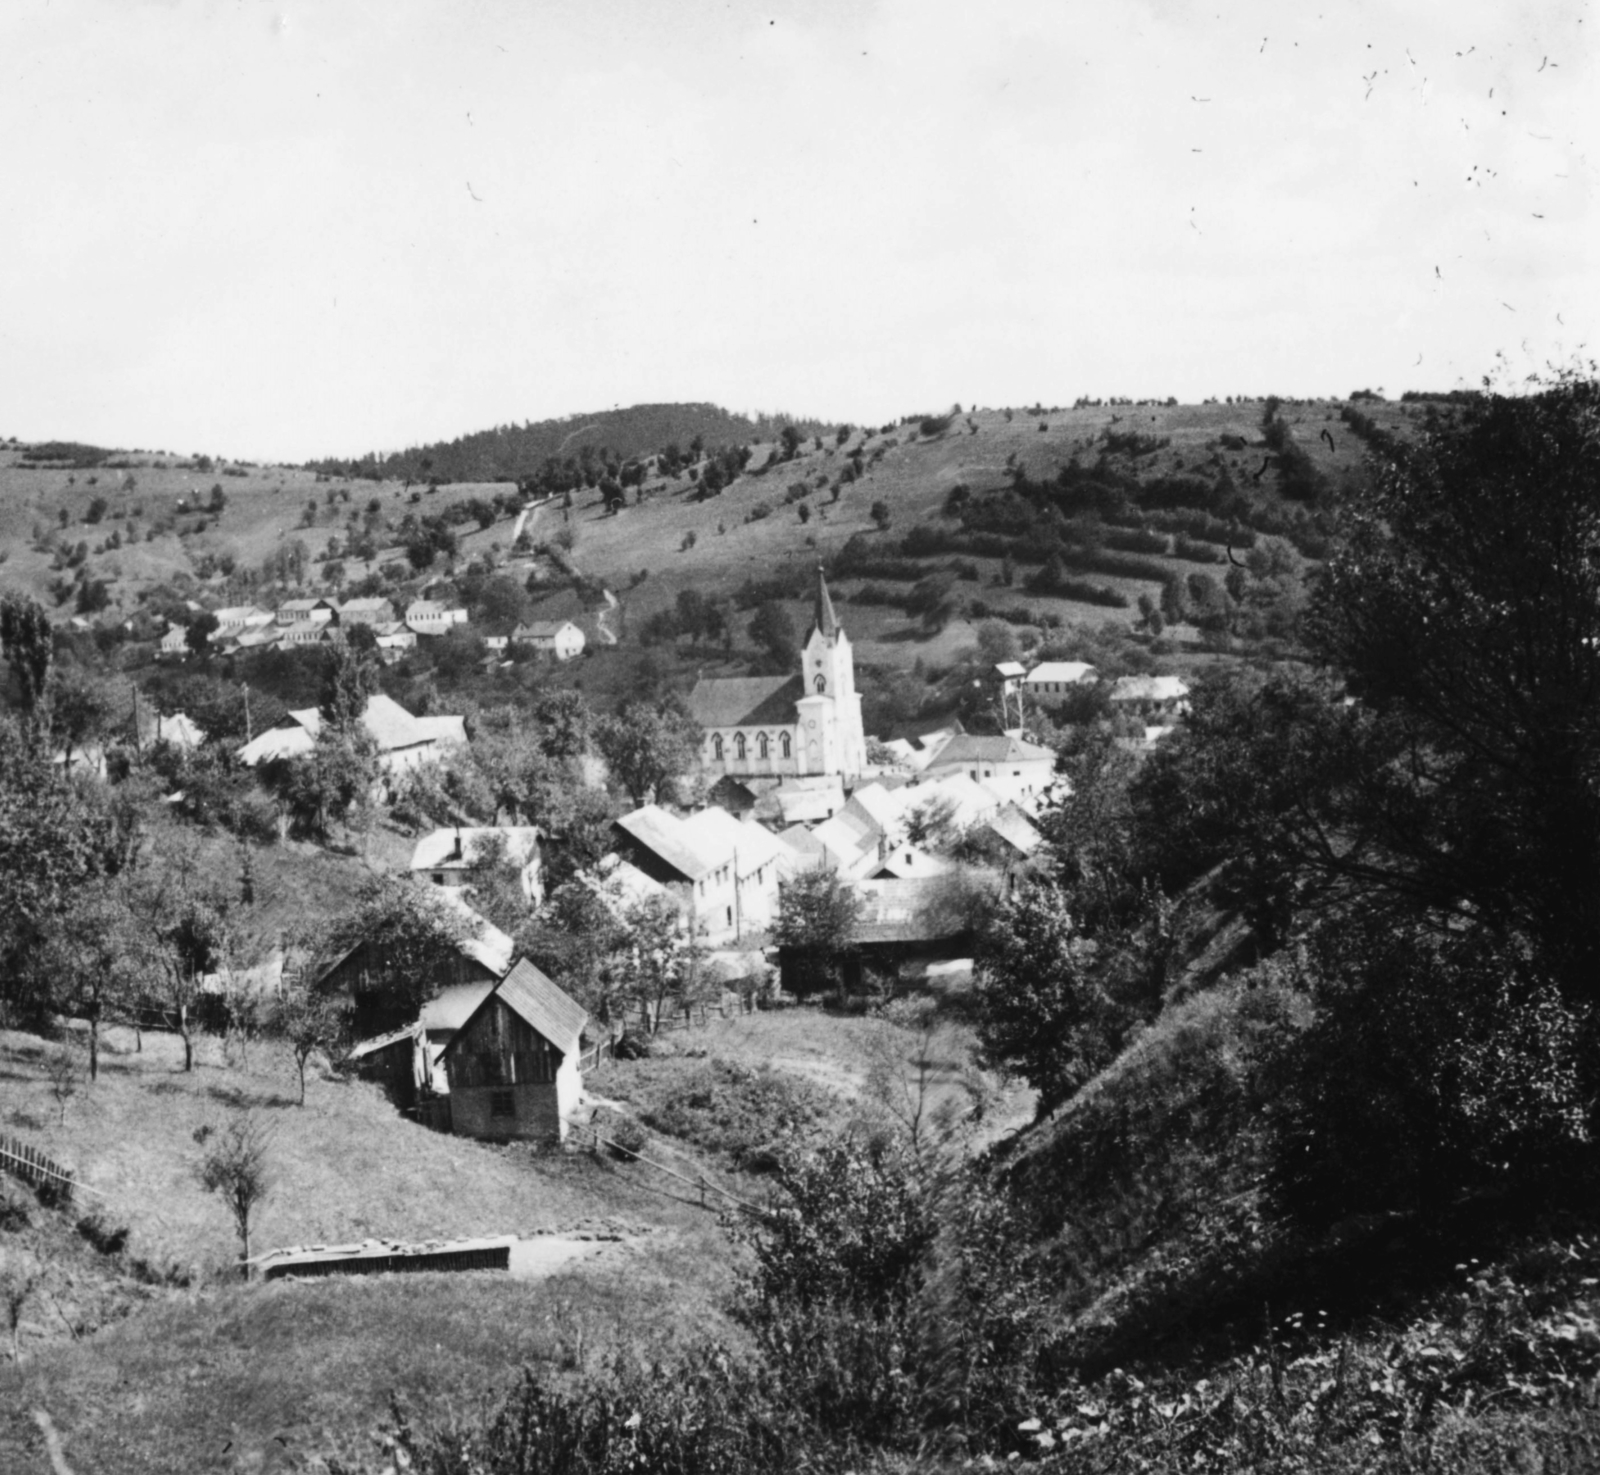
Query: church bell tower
831	737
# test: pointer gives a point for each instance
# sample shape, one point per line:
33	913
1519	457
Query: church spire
822	617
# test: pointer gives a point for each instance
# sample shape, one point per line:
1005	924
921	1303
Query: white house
1029	766
175	642
403	741
1052	681
430	617
560	638
452	857
1165	696
724	874
299	611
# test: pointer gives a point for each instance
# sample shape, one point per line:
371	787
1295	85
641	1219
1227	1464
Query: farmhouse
513	1066
560	638
362	974
808	723
403	741
176	641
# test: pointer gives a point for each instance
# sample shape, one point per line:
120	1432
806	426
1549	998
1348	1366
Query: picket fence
35	1168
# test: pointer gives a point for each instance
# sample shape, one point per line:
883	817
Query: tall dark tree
29	646
1464	607
773	631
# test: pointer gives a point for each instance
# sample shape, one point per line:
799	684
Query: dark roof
822	616
746	701
732	795
539	1003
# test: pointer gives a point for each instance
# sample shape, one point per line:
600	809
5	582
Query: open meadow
153	1358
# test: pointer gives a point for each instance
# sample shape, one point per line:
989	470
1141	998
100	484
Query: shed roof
454	1006
746	701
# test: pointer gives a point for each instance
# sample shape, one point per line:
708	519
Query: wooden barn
513	1066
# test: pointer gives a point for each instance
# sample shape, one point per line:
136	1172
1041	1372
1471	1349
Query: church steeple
823	619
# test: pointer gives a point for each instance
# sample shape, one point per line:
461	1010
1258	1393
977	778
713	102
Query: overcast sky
282	230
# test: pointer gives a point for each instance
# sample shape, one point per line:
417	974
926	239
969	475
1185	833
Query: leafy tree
237	1167
96	961
880	515
575	937
309	1022
410	940
933	601
648	746
1041	1011
817	916
55	838
29	645
80	710
564	721
332	783
773	633
197	637
997	641
191	931
657	957
349	680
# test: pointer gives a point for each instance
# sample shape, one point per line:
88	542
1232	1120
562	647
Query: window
761	745
502	1106
822	683
785	744
738	744
716	746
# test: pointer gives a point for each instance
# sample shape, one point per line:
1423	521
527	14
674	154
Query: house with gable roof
513	1066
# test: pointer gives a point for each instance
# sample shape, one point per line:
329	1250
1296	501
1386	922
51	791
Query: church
781	726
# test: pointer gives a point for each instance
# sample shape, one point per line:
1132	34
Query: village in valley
830	740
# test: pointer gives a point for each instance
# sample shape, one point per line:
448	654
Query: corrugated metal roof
542	1003
746	701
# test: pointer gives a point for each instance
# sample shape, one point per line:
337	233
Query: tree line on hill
513	453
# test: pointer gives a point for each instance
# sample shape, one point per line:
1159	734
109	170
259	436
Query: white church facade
782	726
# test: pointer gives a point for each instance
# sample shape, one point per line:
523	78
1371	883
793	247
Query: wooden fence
34	1167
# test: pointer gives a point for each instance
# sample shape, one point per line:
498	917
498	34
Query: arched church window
761	746
822	683
785	745
716	746
738	744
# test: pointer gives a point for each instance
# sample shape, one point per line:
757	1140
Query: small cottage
513	1067
559	638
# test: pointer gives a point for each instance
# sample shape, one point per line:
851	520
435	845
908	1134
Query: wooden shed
513	1066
